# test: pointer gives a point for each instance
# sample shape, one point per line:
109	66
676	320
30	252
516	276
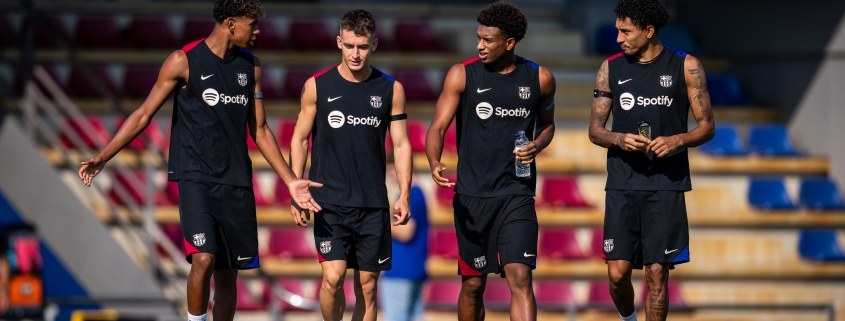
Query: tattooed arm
599	135
700	104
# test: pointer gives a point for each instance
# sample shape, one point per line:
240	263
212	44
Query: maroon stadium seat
152	32
268	38
416	85
442	294
599	296
443	243
450	141
497	295
260	200
196	28
562	191
270	88
171	193
597	242
284	130
446	194
295	79
311	35
560	244
81	86
250	144
282	193
99	32
174	233
139	80
46	33
416	135
154	133
136	189
246	301
94	137
554	294
385	44
417	36
290	243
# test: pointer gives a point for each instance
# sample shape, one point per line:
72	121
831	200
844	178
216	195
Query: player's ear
649	31
339	43
230	24
375	44
510	43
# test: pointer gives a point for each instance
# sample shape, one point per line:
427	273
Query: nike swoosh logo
333	99
528	255
624	81
380	261
205	77
667	251
243	258
479	90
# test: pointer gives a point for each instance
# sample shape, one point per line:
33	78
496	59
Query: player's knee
655	272
333	282
618	275
473	287
519	278
202	261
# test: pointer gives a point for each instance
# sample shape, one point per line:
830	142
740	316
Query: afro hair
507	17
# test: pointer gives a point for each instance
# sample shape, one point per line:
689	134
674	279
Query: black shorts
359	236
495	231
646	227
219	219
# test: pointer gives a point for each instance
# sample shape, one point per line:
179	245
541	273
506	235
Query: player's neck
505	64
654	50
353	75
220	46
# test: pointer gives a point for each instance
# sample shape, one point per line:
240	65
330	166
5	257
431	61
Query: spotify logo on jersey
335	119
484	110
626	100
210	96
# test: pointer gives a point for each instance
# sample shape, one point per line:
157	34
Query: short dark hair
507	17
643	13
237	8
359	21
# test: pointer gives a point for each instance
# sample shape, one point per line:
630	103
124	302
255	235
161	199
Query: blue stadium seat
726	142
820	194
820	245
679	37
771	140
606	39
725	89
769	194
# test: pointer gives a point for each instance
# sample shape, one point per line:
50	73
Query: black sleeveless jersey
349	131
493	108
209	125
657	93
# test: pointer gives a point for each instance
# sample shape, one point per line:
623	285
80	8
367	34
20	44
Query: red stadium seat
442	294
443	243
295	79
91	130
445	195
417	36
260	200
81	86
416	135
554	295
385	44
174	233
599	296
562	191
311	35
560	244
246	301
450	141
250	143
268	38
152	32
171	193
290	243
270	88
154	133
99	32
497	295
136	189
138	80
417	87
282	193
196	28
597	242
284	132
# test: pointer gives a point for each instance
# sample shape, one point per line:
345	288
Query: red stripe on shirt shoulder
325	71
190	46
614	56
471	60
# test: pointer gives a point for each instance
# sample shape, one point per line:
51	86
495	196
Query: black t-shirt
655	92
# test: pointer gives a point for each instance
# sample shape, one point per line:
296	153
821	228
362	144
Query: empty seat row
767	140
814	193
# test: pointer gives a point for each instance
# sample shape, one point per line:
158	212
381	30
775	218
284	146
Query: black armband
598	93
258	95
399	117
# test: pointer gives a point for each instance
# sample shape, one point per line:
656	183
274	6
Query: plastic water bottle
520	141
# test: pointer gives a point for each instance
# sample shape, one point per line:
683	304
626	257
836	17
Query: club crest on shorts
199	239
480	262
325	247
524	92
608	245
666	81
242	79
375	101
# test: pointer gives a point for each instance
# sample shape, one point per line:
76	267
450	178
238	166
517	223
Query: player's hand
632	142
91	168
401	212
664	145
437	174
301	196
527	153
297	213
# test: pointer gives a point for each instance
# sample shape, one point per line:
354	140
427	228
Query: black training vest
209	125
349	131
493	108
655	92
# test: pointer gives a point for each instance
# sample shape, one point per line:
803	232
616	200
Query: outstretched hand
301	196
437	174
90	168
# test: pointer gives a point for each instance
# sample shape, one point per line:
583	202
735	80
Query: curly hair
507	17
237	8
359	21
643	13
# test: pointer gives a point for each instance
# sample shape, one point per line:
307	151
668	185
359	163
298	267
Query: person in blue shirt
401	287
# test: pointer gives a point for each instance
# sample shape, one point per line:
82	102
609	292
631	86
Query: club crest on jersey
199	239
608	245
242	79
524	92
666	81
375	101
325	247
480	262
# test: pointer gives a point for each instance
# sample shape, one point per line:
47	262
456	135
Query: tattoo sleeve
600	112
699	99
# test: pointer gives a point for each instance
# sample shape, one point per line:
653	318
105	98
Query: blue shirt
409	258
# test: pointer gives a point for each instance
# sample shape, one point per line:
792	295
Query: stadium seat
311	35
136	189
91	130
442	294
445	195
47	32
18	82
295	79
417	37
497	294
154	133
268	37
417	87
99	32
725	89
293	286
416	136
676	298
196	28
80	86
771	140
606	39
271	89
282	193
560	244
250	143
820	245
246	301
171	194
174	233
769	194
597	242
290	243
562	191
554	295
443	243
138	80
385	44
726	142
599	296
450	141
820	194
260	200
152	33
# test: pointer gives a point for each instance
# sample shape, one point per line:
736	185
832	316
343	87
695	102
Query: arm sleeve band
598	93
258	95
399	117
